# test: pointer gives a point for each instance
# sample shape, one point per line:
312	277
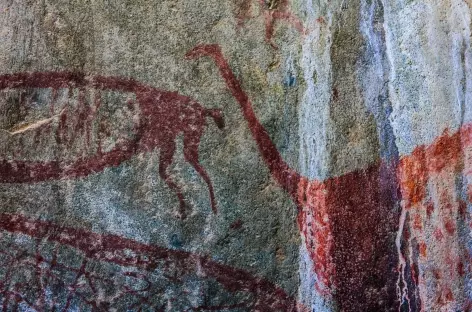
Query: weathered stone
281	155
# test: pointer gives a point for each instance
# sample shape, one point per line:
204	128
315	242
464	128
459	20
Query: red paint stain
273	10
429	173
445	150
236	225
413	177
423	248
438	235
463	209
429	209
316	227
468	305
460	268
414	273
450	227
287	178
321	20
418	223
163	116
335	94
445	297
361	210
128	253
348	223
325	207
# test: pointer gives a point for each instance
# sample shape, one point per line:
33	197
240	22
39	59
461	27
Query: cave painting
434	221
273	10
162	116
370	232
364	256
112	273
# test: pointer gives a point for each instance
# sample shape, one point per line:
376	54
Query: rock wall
249	155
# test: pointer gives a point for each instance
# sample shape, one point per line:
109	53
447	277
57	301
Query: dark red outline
344	219
115	249
163	116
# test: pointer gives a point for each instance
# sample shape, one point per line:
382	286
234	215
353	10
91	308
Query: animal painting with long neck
273	10
290	180
342	219
162	116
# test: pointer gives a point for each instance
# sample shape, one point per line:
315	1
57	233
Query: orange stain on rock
413	177
446	150
423	248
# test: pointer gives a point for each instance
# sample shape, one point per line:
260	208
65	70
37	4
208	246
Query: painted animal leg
191	142
165	159
269	31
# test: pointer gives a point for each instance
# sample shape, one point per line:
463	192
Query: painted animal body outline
273	10
373	195
130	255
290	180
320	205
163	116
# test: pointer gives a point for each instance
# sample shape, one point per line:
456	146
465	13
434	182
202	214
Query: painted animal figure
368	231
273	10
163	115
338	247
290	180
55	282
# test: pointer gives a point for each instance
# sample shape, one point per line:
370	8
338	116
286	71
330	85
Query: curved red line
115	249
163	116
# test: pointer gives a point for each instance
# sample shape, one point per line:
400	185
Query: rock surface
249	155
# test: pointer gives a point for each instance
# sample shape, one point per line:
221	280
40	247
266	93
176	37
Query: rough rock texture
248	155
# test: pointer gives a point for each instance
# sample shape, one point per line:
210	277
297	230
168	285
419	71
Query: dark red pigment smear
129	253
363	208
280	10
236	225
286	177
354	252
163	116
416	168
445	155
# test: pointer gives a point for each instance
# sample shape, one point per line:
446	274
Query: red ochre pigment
273	11
349	223
431	196
163	115
128	254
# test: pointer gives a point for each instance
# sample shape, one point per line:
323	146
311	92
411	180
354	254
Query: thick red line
349	222
116	249
163	115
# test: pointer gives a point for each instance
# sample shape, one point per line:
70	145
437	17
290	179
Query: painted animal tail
217	116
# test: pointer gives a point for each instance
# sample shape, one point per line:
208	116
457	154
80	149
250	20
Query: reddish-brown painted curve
332	215
163	116
280	11
280	170
129	253
350	222
347	221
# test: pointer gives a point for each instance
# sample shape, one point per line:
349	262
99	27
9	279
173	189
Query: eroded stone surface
235	155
